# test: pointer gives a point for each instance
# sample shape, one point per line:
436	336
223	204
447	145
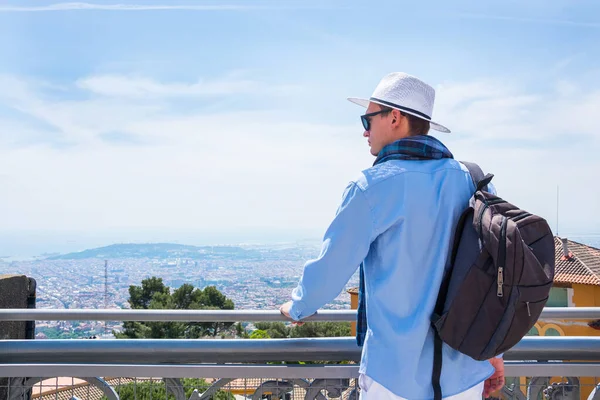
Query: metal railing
194	351
80	314
225	360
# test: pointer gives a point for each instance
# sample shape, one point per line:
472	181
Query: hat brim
365	103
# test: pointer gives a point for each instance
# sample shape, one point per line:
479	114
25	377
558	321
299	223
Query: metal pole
167	315
228	315
513	369
185	351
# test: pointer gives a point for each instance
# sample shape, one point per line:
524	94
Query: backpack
497	279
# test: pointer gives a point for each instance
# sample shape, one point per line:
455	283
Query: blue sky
204	121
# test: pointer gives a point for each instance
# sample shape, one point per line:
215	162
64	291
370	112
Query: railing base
293	371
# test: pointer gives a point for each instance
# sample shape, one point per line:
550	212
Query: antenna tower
105	290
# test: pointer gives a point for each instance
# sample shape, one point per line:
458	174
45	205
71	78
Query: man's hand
285	310
496	381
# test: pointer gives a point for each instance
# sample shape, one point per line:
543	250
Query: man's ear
396	116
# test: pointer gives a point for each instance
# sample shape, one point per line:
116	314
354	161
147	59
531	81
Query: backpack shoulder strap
480	180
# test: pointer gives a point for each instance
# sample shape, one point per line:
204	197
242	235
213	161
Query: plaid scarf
422	147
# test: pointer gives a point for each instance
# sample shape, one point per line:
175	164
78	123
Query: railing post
16	291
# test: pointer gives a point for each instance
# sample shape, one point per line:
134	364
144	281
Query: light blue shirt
399	217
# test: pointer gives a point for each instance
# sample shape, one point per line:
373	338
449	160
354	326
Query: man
396	221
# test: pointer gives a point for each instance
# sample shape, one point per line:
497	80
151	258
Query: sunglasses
366	119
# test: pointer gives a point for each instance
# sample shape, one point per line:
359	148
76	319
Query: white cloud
76	120
451	95
500	111
121	7
532	142
83	6
247	170
230	170
141	87
118	103
545	21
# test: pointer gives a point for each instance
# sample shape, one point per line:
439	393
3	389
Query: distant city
254	277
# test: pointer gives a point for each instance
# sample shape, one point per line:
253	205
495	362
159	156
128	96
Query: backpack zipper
502	257
500	292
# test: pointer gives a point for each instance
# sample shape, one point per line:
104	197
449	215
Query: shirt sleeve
345	245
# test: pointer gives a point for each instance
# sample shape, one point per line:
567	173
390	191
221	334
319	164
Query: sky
204	122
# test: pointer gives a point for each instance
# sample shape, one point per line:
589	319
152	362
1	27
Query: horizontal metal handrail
23	314
166	315
186	351
290	371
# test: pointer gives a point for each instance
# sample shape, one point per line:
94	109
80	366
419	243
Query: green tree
309	329
141	296
241	331
155	295
260	334
276	330
212	299
321	329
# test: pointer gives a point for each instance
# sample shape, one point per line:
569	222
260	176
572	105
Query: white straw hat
405	93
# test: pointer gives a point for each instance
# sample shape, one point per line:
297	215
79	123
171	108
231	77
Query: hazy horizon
21	247
33	244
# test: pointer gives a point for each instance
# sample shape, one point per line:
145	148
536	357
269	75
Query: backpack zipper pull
500	281
528	310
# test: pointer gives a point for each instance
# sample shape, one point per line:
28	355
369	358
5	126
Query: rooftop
580	266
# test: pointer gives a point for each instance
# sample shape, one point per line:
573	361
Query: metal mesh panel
152	388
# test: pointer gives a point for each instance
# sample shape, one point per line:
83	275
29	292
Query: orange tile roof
583	267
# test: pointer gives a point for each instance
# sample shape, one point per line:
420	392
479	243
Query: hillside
160	250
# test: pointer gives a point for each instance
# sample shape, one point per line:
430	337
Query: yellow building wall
586	295
583	296
353	306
